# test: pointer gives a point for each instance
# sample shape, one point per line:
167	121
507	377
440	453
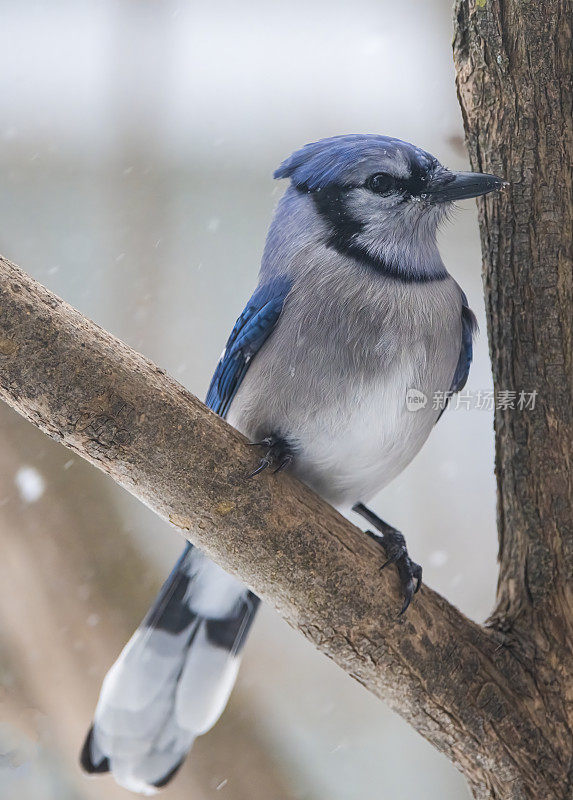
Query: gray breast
332	378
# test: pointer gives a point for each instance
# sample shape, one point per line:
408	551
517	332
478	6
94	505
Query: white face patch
396	230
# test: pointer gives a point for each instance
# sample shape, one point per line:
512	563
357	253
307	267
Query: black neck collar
344	231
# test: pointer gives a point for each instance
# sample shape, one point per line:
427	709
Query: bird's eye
381	183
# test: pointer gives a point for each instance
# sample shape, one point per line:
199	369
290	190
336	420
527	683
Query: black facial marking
412	186
330	202
419	179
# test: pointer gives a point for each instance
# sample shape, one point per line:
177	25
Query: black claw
278	454
396	552
408	594
267	442
283	464
410	578
262	466
394	544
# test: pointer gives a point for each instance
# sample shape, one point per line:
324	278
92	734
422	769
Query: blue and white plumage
353	308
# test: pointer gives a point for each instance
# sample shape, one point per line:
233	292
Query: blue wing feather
469	327
251	331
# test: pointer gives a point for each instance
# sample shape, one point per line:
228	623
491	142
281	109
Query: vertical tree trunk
514	67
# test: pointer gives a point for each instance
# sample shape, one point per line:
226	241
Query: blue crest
334	160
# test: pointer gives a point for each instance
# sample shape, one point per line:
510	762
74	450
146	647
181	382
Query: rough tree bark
514	66
492	698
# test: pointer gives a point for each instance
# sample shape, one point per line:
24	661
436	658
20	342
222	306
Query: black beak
461	185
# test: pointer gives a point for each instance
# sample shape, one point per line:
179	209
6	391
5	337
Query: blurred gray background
137	144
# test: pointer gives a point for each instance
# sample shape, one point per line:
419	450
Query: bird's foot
409	572
279	454
394	544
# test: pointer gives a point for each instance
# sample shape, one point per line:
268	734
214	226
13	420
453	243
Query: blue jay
353	308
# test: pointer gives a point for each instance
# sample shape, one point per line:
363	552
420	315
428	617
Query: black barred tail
172	680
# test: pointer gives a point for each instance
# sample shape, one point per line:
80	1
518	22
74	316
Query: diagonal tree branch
69	600
455	682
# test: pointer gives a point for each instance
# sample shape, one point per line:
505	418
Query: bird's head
381	199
